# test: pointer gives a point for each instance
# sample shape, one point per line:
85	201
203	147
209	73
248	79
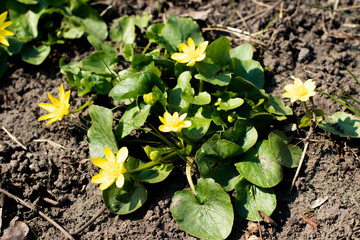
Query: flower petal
109	155
102	163
191	63
103	176
191	44
3	16
47	106
122	155
164	128
120	180
47	116
187	124
298	82
5	32
200	57
4	41
180	57
202	47
184	48
183	116
106	184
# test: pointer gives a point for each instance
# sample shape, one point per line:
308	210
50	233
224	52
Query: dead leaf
268	219
252	227
313	224
17	230
318	202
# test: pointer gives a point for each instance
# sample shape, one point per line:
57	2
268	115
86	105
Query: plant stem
85	105
146	48
188	174
201	85
306	107
144	167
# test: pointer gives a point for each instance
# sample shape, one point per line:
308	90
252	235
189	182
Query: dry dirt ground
55	162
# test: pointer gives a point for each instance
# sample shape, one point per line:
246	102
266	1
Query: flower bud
150	98
230	119
155	155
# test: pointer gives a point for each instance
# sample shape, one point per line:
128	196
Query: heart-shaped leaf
242	52
250	199
35	55
342	124
259	166
250	70
200	118
100	133
243	133
274	105
207	215
287	155
222	79
126	199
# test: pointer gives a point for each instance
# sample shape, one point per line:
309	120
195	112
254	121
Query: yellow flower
4	32
299	90
59	107
190	55
112	169
173	123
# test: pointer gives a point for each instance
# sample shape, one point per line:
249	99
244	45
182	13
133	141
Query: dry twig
14	139
101	210
34	208
52	143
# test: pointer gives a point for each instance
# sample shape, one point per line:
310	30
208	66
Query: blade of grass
332	10
343	104
346	102
266	28
342	65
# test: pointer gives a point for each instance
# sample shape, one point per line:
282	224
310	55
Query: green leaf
287	155
207	68
274	105
25	19
178	30
221	80
141	21
71	27
100	133
207	215
155	174
342	124
126	199
242	52
219	52
202	98
34	55
123	30
259	166
29	2
246	88
213	152
100	62
250	199
128	52
250	70
230	104
306	119
15	46
213	160
135	85
94	25
200	118
175	101
243	133
133	118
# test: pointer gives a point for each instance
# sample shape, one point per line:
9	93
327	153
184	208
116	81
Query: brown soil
55	164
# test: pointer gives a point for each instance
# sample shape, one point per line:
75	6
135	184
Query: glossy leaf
207	215
175	101
342	124
123	30
178	30
219	52
35	55
251	198
250	70
222	79
126	199
200	118
230	104
259	166
133	118
306	119
243	133
202	98
100	133
242	52
287	155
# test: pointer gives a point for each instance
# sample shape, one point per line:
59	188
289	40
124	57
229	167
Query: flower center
302	91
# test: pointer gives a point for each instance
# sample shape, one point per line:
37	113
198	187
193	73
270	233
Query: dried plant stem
101	210
13	138
34	208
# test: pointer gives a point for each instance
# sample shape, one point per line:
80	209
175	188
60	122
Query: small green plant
201	105
39	24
